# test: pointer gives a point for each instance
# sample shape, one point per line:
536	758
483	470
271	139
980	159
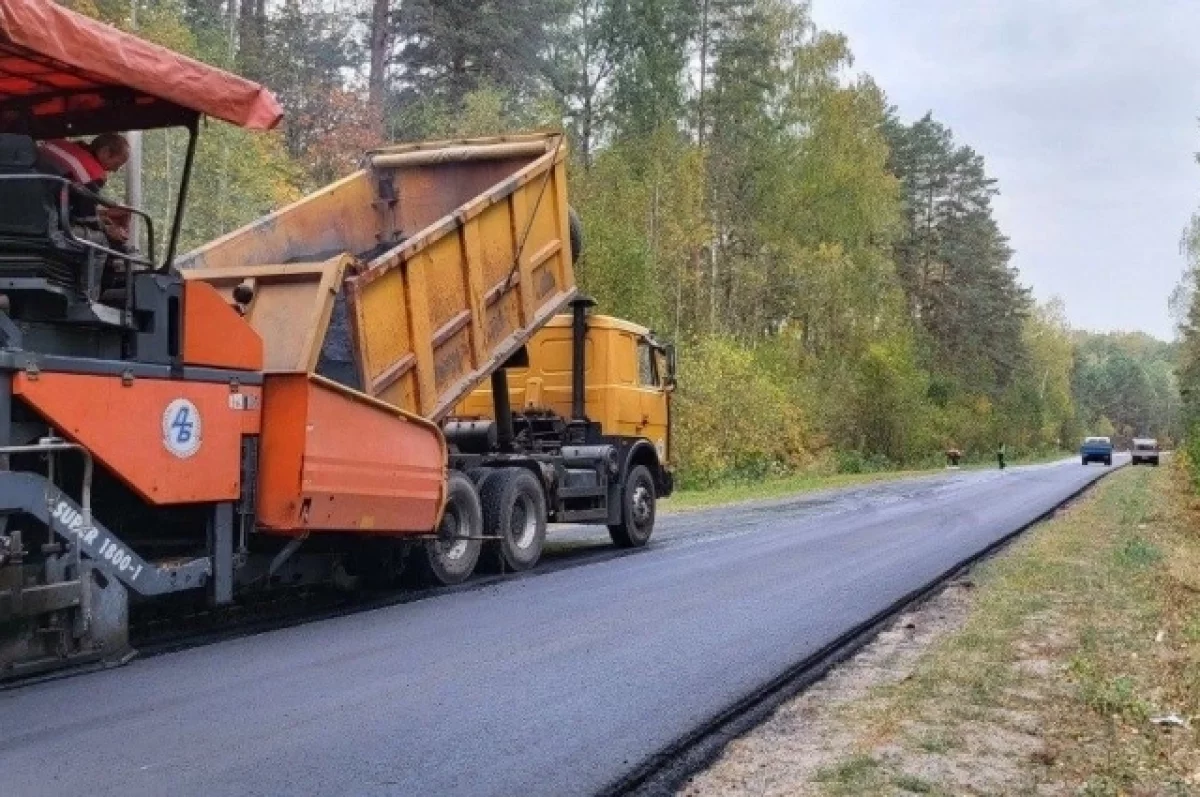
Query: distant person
88	165
1000	453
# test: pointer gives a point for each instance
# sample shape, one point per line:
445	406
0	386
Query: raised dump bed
413	279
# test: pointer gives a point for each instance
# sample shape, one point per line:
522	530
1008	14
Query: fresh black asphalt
551	684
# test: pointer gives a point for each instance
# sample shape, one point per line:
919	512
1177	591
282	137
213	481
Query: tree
309	50
953	260
652	39
253	47
380	39
584	55
1127	378
450	48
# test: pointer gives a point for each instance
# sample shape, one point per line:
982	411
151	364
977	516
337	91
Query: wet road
552	684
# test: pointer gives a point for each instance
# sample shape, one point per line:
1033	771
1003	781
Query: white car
1145	449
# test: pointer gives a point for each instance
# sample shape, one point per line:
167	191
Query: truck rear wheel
637	510
514	508
451	558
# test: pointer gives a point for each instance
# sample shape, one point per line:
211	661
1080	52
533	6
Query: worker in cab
88	165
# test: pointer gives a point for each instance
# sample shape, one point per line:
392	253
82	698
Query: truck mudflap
71	607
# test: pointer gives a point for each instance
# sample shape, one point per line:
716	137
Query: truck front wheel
637	510
451	558
514	509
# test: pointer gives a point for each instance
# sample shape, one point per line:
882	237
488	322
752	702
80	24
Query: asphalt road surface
550	684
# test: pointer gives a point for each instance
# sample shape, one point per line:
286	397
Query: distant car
1096	449
1145	449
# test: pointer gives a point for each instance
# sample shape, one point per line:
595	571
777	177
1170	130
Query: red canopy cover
62	73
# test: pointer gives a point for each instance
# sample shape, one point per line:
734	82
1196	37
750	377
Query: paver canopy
64	74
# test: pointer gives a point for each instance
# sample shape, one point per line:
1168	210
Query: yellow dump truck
440	279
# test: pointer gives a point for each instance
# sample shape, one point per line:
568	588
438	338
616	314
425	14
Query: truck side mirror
669	381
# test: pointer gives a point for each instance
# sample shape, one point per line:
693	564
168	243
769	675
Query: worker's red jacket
75	162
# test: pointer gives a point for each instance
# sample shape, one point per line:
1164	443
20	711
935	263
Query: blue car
1096	449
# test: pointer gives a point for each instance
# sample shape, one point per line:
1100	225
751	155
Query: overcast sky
1085	111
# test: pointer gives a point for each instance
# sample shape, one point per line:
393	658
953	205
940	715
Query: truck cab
628	376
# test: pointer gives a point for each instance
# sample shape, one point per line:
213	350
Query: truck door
652	397
641	406
624	393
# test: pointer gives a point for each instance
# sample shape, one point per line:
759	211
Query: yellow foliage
732	418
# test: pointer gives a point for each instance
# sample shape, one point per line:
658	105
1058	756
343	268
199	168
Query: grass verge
1076	670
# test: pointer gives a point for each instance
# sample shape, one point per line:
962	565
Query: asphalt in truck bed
550	684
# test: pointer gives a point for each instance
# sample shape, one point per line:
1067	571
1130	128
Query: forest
840	292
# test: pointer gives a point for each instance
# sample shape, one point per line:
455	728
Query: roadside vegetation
841	294
1069	664
733	490
1185	306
